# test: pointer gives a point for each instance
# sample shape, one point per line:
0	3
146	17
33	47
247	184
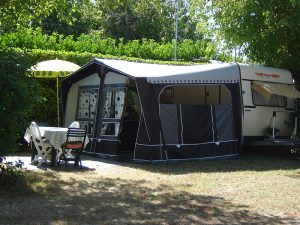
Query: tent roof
156	73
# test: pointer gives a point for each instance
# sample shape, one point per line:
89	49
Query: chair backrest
77	135
36	134
35	131
74	124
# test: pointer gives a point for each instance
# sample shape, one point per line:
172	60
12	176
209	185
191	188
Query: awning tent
181	117
267	89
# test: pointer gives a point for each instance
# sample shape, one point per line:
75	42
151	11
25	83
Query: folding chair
75	141
74	124
42	146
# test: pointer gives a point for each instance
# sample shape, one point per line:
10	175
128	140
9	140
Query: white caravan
268	106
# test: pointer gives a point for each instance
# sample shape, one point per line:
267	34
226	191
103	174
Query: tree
152	19
268	31
18	93
80	18
16	13
134	19
192	19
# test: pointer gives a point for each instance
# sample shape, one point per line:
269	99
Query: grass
255	189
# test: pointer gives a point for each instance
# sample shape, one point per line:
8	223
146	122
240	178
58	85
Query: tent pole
57	100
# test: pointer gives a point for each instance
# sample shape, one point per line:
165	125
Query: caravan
165	112
269	109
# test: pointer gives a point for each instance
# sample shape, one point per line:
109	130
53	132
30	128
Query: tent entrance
193	116
129	124
118	118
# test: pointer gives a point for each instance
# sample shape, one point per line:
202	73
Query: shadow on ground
118	201
256	159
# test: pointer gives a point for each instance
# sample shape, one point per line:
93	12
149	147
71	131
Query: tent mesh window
167	96
195	95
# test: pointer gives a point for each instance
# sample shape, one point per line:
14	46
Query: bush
18	95
14	181
10	174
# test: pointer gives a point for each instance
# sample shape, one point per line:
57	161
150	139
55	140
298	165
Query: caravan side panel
257	122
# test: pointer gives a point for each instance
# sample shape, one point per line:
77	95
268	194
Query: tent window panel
113	102
111	129
89	126
167	96
225	97
113	105
261	99
132	106
195	95
87	102
212	94
224	122
169	120
197	124
189	94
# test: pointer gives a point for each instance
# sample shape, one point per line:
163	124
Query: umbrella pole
57	100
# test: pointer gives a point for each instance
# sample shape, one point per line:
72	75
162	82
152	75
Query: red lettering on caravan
273	76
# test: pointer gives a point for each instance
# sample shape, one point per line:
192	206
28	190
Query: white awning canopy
267	89
157	73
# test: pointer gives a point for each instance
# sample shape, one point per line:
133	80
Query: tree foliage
134	19
18	95
151	19
79	18
269	31
16	13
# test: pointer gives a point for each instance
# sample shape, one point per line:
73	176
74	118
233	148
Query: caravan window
195	94
261	98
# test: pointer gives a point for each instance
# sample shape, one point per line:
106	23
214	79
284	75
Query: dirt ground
254	189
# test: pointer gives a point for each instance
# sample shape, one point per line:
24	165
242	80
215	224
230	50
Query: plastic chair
74	124
75	141
42	146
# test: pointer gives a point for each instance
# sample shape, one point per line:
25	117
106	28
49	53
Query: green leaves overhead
16	13
268	30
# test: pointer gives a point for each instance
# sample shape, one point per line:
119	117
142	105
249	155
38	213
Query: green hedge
187	50
37	55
